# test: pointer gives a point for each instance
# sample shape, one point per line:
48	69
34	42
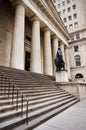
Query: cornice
58	25
75	41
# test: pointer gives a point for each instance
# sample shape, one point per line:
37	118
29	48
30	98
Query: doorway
27	60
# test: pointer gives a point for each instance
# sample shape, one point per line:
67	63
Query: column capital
54	36
66	46
35	17
18	2
46	28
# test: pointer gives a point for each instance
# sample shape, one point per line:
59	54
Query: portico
45	30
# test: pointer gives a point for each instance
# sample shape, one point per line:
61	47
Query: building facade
30	33
73	14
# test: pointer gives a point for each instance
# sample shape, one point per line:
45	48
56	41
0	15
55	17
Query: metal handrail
18	92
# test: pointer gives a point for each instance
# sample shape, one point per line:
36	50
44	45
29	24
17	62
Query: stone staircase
28	99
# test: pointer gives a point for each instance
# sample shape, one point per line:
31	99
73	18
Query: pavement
73	118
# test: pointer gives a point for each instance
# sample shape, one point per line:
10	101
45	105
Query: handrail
18	92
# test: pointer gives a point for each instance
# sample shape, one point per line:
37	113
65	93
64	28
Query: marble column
8	48
17	59
54	49
35	47
47	53
63	52
67	61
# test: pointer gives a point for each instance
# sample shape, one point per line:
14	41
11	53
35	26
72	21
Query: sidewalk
74	118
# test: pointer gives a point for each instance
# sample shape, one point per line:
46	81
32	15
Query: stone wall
6	31
78	89
82	52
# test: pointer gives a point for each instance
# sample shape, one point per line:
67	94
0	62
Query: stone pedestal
62	76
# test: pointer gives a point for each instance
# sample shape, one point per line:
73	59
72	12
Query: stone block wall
6	31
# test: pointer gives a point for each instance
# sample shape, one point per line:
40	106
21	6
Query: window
72	37
77	36
76	48
70	26
64	11
70	18
77	60
68	9
79	75
54	1
65	20
75	15
59	5
74	7
66	27
68	1
63	3
59	13
76	25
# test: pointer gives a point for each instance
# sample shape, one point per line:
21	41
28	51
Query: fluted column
63	52
67	61
54	49
47	53
17	60
35	47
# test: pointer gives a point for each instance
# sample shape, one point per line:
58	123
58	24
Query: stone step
6	115
45	99
29	90
15	113
26	75
26	80
34	86
34	123
34	99
13	107
10	124
27	93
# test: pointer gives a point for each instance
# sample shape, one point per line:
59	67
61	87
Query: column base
62	76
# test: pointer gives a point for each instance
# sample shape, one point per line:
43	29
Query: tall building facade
73	14
30	32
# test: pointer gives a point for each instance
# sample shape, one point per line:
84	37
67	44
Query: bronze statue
59	62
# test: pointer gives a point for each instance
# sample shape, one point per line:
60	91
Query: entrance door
27	60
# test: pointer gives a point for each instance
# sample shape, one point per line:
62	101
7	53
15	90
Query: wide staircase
28	99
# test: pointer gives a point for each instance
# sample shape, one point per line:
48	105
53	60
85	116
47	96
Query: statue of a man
59	62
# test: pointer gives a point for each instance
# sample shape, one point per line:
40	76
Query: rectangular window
54	1
76	25
68	1
72	37
59	13
59	5
66	27
74	7
76	48
71	26
64	11
63	3
75	15
78	63
68	9
69	18
77	36
65	20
